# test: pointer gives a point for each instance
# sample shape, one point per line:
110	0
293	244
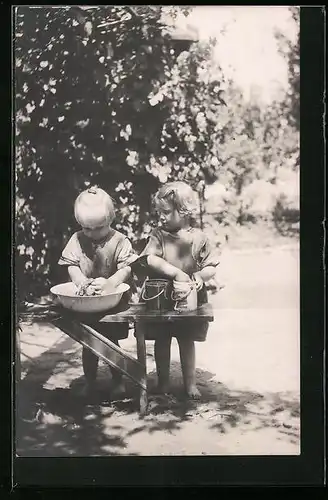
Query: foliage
104	96
290	50
260	153
101	98
258	147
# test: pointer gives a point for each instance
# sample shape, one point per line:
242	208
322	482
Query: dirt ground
248	373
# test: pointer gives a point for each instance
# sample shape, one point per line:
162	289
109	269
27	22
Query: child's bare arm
207	273
160	265
204	275
76	275
119	277
101	284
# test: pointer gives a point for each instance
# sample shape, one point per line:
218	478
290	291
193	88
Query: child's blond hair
94	201
180	195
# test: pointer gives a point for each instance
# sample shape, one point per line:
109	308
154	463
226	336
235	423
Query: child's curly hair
180	195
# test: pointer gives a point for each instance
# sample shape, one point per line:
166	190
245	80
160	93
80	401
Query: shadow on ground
59	422
222	407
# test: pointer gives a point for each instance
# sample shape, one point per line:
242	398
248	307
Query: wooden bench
77	328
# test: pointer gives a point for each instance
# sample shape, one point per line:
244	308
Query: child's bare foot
161	389
193	393
87	392
83	391
118	389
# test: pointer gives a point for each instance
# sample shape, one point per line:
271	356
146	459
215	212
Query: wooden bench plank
138	312
134	313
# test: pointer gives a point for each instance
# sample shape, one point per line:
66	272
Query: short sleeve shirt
191	250
98	259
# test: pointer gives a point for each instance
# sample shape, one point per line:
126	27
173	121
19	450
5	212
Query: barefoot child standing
188	255
97	258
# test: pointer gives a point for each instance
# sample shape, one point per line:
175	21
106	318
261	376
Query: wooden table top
138	312
134	312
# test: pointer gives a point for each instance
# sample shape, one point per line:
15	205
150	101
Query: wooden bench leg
90	365
141	352
18	373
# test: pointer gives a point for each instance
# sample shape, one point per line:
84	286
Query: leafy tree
105	96
101	98
260	151
286	210
290	50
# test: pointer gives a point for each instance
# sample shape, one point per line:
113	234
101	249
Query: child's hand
199	281
112	283
99	285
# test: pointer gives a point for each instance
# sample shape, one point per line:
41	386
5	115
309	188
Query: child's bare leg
162	358
90	368
117	378
188	366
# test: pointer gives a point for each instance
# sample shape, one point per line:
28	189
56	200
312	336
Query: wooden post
142	358
17	356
